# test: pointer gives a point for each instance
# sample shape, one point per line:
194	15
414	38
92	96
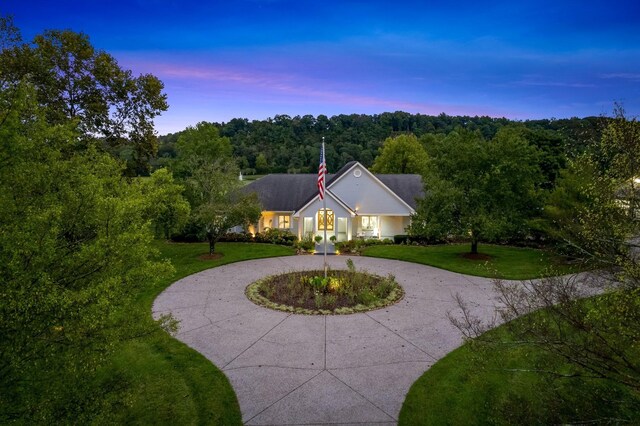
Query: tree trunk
474	246
212	245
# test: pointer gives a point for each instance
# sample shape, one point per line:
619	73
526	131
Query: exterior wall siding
391	225
359	193
367	195
312	209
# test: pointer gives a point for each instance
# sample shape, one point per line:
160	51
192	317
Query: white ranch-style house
359	204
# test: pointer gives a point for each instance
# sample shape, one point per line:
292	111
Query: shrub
356	246
366	297
236	237
190	233
306	243
319	284
275	236
384	287
350	247
401	239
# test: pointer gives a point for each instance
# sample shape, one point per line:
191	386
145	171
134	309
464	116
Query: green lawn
171	383
505	262
496	385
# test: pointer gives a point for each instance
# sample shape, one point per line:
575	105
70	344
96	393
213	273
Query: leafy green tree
199	145
217	201
218	216
477	190
401	154
621	149
166	206
75	83
74	252
584	213
210	175
551	147
261	164
587	325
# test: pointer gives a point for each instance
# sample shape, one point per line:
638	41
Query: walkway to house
297	369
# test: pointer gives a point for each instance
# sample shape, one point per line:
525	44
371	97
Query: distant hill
285	144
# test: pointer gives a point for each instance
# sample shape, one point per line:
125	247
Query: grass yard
171	383
506	262
495	385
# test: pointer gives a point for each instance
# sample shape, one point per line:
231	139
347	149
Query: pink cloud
304	89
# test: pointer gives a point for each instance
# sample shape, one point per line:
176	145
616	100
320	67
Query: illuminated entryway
330	221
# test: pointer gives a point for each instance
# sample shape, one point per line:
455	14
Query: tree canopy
74	248
285	144
75	83
402	154
587	326
211	177
478	190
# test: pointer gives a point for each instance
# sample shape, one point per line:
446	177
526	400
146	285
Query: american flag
322	171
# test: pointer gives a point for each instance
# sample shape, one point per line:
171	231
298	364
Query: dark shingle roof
284	192
290	192
407	187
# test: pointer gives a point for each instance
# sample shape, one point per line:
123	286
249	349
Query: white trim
411	210
335	198
363	213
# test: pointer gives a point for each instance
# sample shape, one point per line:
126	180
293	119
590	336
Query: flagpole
324	207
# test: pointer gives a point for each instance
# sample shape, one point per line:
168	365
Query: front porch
350	227
331	248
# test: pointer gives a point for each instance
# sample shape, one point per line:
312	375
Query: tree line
285	144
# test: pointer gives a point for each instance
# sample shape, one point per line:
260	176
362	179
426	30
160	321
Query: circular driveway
297	369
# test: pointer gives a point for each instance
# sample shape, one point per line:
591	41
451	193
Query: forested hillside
284	144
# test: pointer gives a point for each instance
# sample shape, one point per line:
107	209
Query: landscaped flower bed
341	292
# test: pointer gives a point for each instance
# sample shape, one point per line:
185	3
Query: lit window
283	222
329	220
369	223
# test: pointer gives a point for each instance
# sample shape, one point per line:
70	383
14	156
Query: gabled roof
407	187
290	192
283	192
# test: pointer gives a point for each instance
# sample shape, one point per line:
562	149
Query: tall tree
74	252
210	175
75	83
165	204
218	216
587	325
621	149
402	154
478	190
217	202
198	145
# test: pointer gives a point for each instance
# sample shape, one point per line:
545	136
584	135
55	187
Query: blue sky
258	58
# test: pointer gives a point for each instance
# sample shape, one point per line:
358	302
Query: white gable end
314	205
364	193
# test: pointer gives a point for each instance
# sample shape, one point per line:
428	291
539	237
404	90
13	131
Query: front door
341	235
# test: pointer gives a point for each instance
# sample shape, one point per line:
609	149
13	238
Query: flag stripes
322	172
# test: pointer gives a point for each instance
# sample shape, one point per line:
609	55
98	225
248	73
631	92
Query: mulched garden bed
342	292
476	256
213	256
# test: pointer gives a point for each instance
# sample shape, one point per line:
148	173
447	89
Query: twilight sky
258	58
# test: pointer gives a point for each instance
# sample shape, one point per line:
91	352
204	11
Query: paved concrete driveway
297	369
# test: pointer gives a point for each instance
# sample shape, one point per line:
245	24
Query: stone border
252	293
